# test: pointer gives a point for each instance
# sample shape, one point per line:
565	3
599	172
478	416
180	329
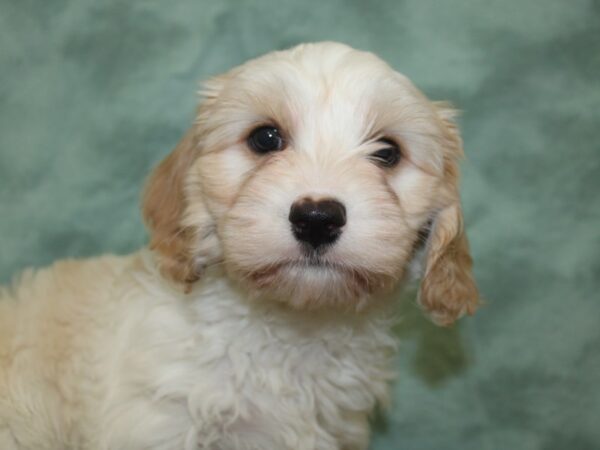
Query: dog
311	183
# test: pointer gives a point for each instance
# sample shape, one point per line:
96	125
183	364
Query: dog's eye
265	139
389	155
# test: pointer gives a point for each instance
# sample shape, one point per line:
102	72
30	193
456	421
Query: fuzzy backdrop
94	93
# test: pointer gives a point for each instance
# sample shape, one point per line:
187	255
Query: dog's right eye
265	139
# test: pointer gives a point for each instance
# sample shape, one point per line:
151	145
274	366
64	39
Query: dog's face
313	175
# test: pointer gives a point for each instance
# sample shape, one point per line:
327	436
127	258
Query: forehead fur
323	95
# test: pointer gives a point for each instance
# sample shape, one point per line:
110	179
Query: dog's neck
215	282
231	305
277	317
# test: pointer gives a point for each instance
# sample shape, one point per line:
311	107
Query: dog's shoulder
64	276
49	321
50	299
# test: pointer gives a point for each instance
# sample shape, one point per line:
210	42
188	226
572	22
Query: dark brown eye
389	155
265	139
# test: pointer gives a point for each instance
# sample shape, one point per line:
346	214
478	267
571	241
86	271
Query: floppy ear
448	289
163	207
182	231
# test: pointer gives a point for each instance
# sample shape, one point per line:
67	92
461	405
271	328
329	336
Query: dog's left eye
388	156
265	139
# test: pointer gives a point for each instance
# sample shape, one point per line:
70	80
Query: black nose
317	223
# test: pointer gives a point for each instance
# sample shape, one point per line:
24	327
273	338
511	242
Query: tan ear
448	289
182	231
164	207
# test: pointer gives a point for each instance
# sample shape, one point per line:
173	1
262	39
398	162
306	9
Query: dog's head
314	175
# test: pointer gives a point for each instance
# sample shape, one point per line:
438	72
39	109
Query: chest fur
219	372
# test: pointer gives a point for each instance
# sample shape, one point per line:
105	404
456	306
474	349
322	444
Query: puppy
260	316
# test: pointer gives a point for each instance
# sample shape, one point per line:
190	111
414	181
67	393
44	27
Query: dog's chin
313	284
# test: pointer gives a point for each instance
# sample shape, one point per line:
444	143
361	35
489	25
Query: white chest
217	372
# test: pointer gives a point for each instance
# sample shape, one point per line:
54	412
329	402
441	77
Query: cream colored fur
222	335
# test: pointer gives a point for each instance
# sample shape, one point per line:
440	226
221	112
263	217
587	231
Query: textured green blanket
93	93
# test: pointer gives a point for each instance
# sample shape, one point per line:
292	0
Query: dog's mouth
314	266
313	263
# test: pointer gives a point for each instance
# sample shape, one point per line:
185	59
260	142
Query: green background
94	93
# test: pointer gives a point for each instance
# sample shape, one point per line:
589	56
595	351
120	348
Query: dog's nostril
317	223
